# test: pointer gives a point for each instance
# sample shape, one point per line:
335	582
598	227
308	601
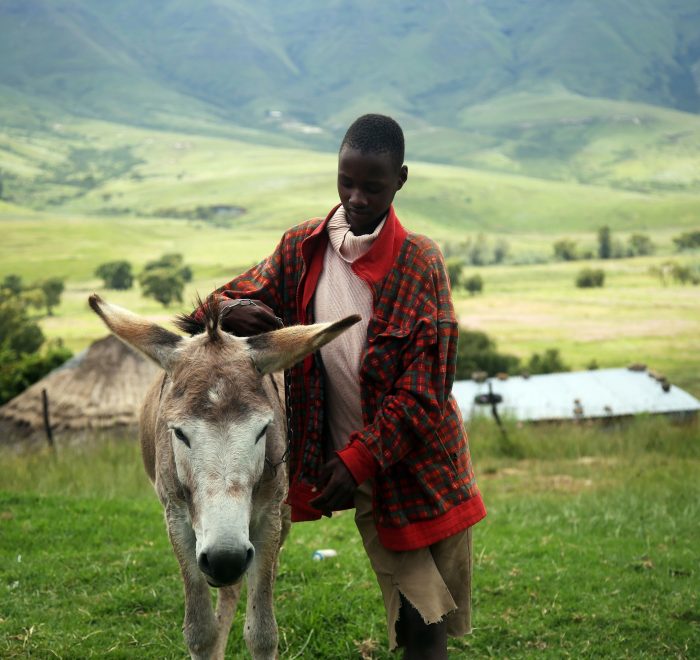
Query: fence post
47	421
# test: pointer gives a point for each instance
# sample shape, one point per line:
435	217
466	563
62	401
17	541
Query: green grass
590	549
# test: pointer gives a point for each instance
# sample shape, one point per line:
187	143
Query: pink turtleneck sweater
340	293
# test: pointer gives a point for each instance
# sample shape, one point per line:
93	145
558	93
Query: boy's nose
357	199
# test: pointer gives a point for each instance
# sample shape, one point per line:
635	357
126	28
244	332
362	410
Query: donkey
209	427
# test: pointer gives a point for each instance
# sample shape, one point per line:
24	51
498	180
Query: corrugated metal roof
575	395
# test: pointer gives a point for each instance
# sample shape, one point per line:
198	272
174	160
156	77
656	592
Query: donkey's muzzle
225	566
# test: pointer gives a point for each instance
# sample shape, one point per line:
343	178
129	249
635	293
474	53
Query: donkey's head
220	417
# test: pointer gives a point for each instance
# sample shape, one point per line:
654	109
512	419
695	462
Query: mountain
524	86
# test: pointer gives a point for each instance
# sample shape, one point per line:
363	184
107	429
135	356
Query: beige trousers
436	580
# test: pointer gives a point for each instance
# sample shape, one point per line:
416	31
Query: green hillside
110	170
570	90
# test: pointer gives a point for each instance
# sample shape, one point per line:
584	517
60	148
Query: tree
687	241
476	351
164	279
173	261
16	375
590	277
455	266
549	362
565	250
116	275
163	284
24	358
640	245
474	284
500	251
604	243
13	283
477	251
18	333
52	288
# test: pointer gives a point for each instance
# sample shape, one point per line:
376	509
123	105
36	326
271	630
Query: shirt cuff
359	460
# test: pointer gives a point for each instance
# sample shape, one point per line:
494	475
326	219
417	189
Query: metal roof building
576	395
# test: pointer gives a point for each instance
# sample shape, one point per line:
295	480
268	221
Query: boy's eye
374	189
346	183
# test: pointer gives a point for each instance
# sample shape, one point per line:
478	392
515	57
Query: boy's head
370	170
376	134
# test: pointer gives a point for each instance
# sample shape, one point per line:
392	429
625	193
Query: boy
372	422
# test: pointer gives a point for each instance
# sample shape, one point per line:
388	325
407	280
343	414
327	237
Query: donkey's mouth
217	585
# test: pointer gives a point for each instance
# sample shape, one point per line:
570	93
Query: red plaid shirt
413	443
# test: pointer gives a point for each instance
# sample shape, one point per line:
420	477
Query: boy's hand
337	486
245	318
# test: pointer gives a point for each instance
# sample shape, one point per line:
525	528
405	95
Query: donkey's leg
200	626
226	603
260	625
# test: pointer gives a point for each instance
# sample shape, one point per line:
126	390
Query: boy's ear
280	349
403	176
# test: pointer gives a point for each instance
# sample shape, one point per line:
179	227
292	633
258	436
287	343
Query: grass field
590	549
86	192
78	193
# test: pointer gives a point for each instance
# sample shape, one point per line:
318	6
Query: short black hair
376	134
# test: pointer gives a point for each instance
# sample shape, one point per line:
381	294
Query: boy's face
367	184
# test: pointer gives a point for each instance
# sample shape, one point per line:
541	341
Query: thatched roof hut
101	388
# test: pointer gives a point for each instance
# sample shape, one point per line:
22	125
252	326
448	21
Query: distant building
576	395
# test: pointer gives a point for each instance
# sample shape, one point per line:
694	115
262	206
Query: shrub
679	273
163	284
477	251
476	351
500	251
52	288
640	245
549	362
21	362
164	279
455	266
18	333
687	241
12	283
590	277
16	375
116	275
474	284
565	250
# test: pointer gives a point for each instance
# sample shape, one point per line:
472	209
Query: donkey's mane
207	316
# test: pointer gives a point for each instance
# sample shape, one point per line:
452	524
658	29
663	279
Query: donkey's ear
280	349
153	341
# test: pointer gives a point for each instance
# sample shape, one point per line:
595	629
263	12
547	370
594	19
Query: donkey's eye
181	436
262	433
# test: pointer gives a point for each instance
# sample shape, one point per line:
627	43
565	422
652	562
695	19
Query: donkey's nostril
203	563
225	566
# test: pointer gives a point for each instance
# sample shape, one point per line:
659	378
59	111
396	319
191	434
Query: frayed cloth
436	580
